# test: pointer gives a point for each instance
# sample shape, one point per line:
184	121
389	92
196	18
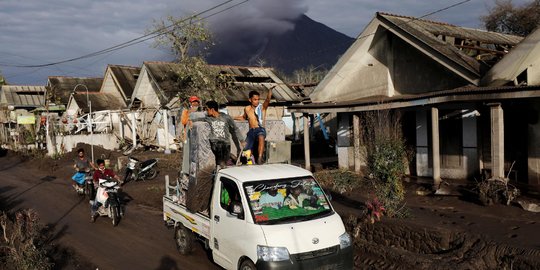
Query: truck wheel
184	239
247	264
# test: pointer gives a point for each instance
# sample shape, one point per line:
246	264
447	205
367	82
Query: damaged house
468	98
18	119
109	105
155	98
59	123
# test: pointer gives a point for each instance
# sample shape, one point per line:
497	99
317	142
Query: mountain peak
308	43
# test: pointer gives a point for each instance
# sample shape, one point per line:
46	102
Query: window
229	192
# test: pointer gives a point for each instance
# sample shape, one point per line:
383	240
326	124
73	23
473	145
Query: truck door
228	229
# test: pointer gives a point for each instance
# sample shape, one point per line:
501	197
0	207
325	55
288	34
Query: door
229	230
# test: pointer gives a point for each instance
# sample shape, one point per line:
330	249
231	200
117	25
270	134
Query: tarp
201	169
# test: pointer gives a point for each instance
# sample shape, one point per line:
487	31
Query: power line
134	41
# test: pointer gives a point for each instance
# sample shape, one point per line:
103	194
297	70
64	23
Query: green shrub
386	158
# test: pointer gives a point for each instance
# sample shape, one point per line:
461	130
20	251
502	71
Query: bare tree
505	17
2	79
189	39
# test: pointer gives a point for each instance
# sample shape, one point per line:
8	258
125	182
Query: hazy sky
34	32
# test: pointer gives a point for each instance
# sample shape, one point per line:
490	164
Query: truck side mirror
235	208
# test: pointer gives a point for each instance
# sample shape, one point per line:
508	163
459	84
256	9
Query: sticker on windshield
286	199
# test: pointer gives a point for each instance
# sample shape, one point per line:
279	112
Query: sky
37	32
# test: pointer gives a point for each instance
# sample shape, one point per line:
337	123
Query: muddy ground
441	232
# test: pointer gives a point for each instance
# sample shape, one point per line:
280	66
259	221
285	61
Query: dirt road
140	241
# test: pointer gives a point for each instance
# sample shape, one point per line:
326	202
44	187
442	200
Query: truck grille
316	253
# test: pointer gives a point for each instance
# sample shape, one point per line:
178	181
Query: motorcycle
108	201
86	187
136	170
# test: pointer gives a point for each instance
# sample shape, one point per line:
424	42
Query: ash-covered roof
469	93
245	78
126	76
62	87
99	101
23	96
459	44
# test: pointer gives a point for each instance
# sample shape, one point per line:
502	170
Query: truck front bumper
341	259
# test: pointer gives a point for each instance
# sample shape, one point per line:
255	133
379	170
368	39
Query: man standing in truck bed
255	113
222	129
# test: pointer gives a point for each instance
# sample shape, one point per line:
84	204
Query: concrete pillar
306	141
134	129
436	158
166	128
497	140
356	135
296	127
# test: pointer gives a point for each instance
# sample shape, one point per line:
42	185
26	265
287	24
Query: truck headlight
272	254
344	240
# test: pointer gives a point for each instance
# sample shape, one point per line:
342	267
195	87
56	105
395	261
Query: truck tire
184	239
247	264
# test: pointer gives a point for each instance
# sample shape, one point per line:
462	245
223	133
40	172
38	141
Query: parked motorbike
136	170
87	187
108	200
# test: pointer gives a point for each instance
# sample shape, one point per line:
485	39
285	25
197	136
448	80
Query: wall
345	146
423	155
360	72
144	91
470	147
110	87
413	72
534	144
459	160
69	142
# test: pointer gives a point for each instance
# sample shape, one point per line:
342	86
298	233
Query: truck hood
306	235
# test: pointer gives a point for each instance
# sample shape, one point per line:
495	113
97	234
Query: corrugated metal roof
100	102
524	56
427	32
378	100
245	78
28	96
62	87
126	76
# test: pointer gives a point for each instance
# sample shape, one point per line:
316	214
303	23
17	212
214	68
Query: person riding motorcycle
101	173
82	166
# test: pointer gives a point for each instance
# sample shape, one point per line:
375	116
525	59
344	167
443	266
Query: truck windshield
286	200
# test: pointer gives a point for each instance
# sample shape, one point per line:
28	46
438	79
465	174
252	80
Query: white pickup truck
272	216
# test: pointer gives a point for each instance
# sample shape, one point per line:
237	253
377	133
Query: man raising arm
255	113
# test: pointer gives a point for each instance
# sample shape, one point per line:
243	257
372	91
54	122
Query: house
59	88
17	106
120	81
156	94
468	97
